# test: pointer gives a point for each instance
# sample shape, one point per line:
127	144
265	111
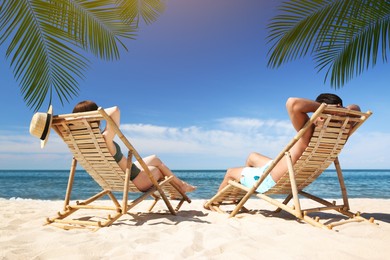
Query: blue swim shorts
251	174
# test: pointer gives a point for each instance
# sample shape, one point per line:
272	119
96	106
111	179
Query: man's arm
298	108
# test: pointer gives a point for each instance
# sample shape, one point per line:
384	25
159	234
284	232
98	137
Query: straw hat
40	125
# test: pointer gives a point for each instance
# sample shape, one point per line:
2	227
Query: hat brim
50	113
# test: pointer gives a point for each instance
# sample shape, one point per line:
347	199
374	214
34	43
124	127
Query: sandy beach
194	233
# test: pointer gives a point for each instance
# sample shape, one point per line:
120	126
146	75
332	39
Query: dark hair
330	99
85	106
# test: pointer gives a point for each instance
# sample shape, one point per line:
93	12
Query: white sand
194	233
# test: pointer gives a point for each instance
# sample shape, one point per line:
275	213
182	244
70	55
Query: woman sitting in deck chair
138	176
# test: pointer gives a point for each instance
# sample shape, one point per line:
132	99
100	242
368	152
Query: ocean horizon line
346	169
43	184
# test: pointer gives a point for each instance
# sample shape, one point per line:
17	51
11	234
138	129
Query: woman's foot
185	187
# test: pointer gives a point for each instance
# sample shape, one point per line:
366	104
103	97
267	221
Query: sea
52	184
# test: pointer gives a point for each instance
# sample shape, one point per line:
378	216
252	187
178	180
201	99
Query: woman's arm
114	113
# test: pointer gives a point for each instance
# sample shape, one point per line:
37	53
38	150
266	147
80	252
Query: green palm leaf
134	10
36	58
344	37
95	25
45	40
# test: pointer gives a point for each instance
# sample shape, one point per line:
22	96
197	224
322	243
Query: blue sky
194	88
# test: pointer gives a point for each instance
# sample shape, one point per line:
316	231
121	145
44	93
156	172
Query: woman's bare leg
154	161
143	182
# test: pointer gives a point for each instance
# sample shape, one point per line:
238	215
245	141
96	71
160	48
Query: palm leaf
45	40
32	50
134	10
95	25
344	37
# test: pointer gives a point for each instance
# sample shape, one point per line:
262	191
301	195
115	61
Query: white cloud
367	150
225	143
231	137
250	125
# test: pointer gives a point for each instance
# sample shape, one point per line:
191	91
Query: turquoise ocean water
51	184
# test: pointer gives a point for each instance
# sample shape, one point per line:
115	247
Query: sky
194	88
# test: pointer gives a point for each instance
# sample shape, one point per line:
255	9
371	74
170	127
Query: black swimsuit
118	156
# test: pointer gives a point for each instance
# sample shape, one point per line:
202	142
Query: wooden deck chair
326	143
80	131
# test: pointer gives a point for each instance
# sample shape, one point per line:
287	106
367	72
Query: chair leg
242	202
294	189
180	204
70	182
126	184
286	200
156	199
342	184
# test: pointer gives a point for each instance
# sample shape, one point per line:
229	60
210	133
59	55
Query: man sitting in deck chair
256	163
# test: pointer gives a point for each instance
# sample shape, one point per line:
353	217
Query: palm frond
293	32
135	10
96	26
45	39
351	49
38	59
344	37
